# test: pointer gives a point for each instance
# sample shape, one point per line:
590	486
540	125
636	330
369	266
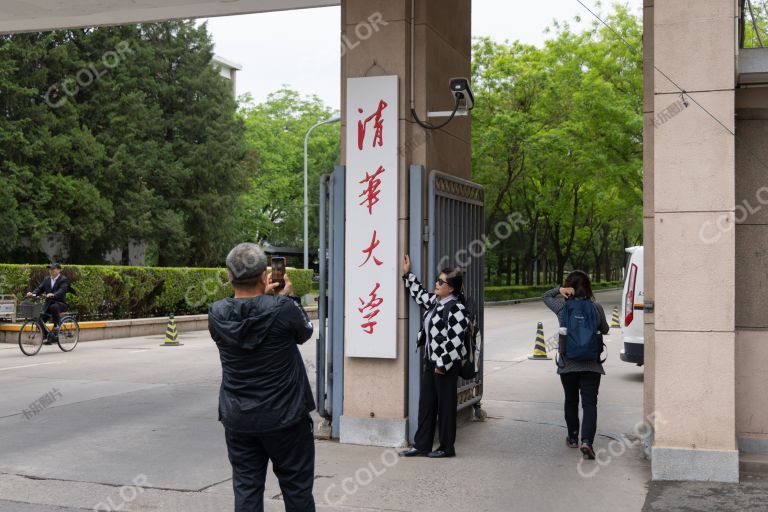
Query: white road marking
29	365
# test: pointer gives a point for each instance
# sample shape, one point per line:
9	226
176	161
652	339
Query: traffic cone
171	334
615	320
539	347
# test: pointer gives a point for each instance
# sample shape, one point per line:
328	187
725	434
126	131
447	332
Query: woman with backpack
579	365
442	332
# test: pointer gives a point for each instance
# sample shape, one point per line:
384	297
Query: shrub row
115	292
499	293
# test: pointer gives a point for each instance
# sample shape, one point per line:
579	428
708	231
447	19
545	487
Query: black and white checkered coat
446	341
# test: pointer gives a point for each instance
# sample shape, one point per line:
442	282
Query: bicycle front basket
30	310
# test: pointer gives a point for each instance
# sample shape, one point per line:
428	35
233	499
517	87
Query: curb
753	462
129	328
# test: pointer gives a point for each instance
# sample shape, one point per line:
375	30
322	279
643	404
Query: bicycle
31	338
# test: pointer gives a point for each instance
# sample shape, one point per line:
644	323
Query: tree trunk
499	269
605	257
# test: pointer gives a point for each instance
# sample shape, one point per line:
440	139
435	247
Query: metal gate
330	345
453	232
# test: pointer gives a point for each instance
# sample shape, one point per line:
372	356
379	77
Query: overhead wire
754	23
765	8
683	92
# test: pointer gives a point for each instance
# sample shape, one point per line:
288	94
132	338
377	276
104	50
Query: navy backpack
583	341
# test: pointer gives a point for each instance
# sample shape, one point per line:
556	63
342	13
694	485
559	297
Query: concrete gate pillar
692	241
649	115
376	38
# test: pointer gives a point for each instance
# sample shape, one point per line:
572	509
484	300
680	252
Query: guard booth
446	228
8	304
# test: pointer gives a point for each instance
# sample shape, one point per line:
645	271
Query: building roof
287	251
224	63
17	16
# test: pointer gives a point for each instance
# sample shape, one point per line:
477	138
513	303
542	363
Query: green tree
753	26
273	204
108	146
175	143
557	138
46	156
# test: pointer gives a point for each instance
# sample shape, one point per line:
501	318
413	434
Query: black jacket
59	290
264	385
446	341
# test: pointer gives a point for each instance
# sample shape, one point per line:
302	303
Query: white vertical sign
371	264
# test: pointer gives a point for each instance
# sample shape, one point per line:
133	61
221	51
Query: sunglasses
441	282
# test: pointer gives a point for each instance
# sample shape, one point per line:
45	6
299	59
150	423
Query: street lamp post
306	193
535	245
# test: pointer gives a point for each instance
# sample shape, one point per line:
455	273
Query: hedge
115	292
499	293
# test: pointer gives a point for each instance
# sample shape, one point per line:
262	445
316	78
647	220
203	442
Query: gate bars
454	225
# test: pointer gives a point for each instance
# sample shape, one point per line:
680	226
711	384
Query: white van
632	307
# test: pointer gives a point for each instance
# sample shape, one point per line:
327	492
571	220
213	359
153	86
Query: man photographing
265	398
54	288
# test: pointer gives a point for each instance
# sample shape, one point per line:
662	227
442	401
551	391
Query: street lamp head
334	119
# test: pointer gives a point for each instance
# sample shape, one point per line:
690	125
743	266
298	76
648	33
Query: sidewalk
134	412
134	429
515	460
749	495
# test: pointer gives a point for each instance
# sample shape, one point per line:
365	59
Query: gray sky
301	48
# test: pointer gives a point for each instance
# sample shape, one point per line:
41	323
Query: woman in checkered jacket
444	321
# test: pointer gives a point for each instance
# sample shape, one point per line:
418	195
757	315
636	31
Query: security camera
465	102
462	93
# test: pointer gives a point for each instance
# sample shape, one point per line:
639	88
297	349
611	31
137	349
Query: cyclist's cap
54	265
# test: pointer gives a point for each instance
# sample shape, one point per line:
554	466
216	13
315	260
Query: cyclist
54	288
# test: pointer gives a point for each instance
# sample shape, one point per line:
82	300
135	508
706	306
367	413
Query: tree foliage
753	26
105	146
272	206
557	138
155	149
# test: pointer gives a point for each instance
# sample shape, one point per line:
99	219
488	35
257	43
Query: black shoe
440	454
572	442
588	451
413	452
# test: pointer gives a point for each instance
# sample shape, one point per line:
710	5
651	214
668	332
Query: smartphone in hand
278	271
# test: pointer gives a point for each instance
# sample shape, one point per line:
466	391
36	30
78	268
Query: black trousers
54	310
292	452
437	408
588	384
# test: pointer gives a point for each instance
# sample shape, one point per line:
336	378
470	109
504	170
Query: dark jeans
292	452
588	383
438	400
